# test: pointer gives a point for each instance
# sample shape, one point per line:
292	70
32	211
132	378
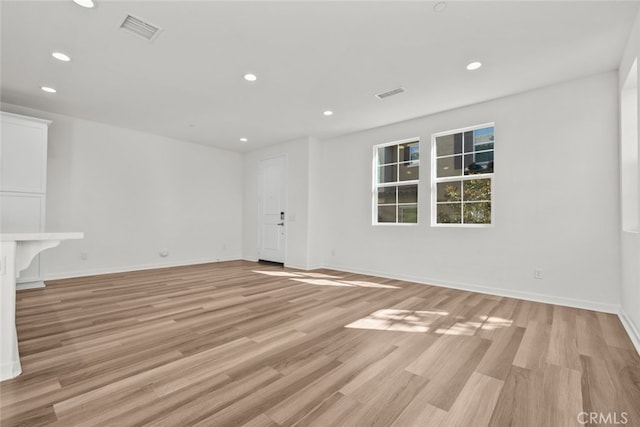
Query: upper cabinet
23	154
23	183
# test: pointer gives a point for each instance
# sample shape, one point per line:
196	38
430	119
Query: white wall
132	194
629	182
297	210
556	195
630	238
316	233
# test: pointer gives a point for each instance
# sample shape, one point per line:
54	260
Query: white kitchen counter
5	237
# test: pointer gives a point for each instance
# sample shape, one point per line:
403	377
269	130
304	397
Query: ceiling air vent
389	93
139	28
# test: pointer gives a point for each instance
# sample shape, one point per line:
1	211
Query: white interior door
272	209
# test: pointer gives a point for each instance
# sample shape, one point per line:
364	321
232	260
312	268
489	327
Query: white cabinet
23	182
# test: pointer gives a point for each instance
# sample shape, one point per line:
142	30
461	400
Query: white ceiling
309	56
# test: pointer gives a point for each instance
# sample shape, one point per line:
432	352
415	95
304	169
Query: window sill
395	224
462	225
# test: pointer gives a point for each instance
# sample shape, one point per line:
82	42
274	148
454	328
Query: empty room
278	213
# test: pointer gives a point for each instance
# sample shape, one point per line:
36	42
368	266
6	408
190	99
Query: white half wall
630	235
556	201
134	194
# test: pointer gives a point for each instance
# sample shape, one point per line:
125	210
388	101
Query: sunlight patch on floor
322	282
391	319
363	284
485	323
490	323
296	274
344	283
320	275
278	273
322	279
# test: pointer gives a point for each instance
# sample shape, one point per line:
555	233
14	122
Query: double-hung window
462	172
396	174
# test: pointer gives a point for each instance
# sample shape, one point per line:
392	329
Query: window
462	168
395	189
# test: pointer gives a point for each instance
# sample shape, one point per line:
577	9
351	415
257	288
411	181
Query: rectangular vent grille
139	28
389	93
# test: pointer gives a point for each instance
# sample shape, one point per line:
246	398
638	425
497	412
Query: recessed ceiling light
328	113
48	89
250	77
440	6
61	56
474	65
243	139
85	3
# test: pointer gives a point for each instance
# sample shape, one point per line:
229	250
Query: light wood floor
241	343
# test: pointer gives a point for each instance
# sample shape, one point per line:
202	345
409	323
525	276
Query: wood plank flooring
242	343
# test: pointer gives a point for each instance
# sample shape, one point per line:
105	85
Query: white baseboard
631	328
29	285
128	268
296	267
529	296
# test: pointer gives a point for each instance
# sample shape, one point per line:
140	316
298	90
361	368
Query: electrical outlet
537	273
83	256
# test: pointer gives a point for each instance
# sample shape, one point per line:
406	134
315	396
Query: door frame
285	159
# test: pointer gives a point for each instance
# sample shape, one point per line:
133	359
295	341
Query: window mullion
462	196
464	153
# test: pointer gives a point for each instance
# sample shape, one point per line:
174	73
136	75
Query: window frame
376	185
458	178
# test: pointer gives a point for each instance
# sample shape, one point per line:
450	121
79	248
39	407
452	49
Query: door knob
280	223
